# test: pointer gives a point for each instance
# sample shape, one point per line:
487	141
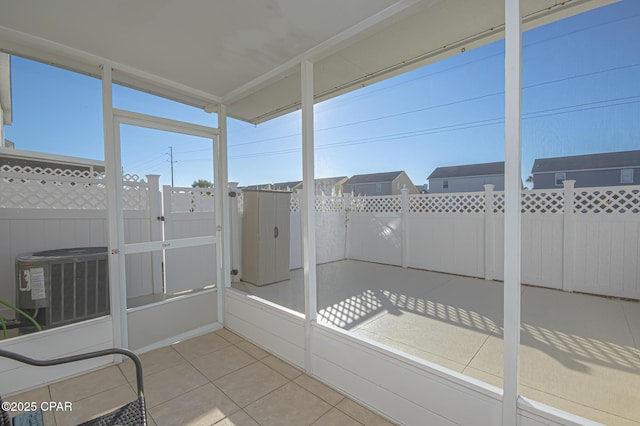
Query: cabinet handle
276	231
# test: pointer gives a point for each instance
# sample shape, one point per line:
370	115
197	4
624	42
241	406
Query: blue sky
581	94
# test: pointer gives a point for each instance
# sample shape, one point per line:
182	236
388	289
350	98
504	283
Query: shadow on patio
578	352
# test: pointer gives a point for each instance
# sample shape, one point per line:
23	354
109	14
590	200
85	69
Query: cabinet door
282	223
267	242
250	237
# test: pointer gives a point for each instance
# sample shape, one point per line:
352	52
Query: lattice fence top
377	204
468	202
192	200
498	202
623	200
548	201
294	205
542	201
328	204
46	188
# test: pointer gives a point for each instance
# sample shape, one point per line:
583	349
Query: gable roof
247	54
607	160
279	186
373	178
465	170
330	181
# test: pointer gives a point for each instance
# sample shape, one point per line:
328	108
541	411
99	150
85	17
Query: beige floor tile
319	389
201	345
361	414
250	383
428	356
577	409
284	368
165	385
152	362
38	396
490	357
222	362
550	315
336	417
437	336
599	385
229	336
202	406
96	405
238	419
150	420
253	350
632	314
88	384
484	376
288	405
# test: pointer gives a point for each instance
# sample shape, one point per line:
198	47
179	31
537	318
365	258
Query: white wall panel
72	339
151	324
375	237
274	328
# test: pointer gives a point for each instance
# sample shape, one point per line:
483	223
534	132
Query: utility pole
172	162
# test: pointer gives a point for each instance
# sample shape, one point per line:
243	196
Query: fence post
569	237
405	227
489	232
346	205
236	240
155	227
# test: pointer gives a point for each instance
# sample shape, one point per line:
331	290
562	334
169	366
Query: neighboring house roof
465	170
373	178
22	158
330	181
607	160
279	186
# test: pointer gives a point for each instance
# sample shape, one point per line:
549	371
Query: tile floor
218	378
579	353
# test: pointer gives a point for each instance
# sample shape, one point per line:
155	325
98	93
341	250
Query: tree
530	180
202	183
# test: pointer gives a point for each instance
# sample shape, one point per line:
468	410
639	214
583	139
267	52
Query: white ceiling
247	53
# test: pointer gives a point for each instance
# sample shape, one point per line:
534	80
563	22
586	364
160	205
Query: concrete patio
578	352
218	378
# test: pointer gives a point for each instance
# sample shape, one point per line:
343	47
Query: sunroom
356	267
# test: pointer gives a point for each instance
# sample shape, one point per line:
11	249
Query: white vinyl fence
585	239
45	209
189	212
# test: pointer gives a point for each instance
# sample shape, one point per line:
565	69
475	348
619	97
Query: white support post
113	167
512	217
405	227
489	232
2	143
346	199
221	186
308	210
167	192
569	237
155	228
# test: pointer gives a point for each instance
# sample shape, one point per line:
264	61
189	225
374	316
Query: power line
461	101
170	153
459	126
140	163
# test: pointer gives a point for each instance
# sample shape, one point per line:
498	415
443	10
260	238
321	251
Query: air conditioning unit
63	286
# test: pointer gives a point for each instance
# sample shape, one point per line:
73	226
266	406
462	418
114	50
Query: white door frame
116	216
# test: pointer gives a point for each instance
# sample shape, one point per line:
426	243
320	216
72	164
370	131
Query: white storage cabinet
265	236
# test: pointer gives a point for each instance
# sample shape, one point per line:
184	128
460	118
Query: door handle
276	232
